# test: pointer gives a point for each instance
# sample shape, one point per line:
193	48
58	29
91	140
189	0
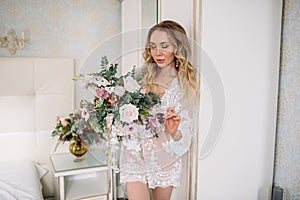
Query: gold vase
78	149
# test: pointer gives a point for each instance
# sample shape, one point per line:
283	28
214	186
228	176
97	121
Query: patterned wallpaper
287	158
60	28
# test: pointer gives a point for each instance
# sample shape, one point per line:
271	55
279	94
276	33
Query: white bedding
21	180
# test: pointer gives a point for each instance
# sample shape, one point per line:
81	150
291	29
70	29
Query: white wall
242	39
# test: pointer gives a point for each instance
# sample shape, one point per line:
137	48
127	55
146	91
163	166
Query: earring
176	64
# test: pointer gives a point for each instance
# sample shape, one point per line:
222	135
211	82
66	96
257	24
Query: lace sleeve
187	109
186	128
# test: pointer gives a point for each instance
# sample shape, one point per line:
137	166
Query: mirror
127	45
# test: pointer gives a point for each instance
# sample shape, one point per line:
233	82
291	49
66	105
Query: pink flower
64	123
85	114
153	124
101	92
56	118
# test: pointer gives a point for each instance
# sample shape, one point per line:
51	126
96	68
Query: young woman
155	162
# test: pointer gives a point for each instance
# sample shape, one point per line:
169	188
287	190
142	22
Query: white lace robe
157	161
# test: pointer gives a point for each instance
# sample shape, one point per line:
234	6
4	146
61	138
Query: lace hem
169	176
153	186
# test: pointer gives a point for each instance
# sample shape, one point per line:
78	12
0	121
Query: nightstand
89	178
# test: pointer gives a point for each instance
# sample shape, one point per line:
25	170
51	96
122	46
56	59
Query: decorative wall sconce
12	42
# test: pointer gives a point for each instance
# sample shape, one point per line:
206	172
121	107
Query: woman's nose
158	51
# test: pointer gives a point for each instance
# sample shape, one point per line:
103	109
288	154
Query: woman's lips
159	60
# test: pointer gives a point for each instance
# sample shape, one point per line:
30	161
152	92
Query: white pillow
21	180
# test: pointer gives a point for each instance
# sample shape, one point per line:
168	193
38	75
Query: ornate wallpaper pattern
58	28
287	161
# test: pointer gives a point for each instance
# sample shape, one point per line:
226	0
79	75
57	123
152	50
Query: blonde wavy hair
187	73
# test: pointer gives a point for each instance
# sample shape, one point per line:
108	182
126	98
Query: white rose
109	89
119	91
143	91
128	113
130	84
101	82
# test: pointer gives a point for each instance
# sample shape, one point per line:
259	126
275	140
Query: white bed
32	92
21	180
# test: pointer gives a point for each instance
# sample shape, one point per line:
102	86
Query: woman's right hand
172	121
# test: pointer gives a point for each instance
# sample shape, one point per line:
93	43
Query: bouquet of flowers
119	104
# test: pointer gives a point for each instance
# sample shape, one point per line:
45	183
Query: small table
89	178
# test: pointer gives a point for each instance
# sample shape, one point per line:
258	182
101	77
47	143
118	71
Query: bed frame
32	92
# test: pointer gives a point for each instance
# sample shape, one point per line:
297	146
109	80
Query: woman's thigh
160	193
137	191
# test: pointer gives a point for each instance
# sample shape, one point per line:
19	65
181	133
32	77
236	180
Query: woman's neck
166	73
164	78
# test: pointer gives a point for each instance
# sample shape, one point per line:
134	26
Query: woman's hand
172	121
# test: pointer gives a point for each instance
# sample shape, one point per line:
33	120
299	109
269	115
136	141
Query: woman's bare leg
162	193
137	191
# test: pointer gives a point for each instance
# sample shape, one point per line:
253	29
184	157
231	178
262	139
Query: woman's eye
151	46
165	46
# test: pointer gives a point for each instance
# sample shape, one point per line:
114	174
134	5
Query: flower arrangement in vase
119	103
